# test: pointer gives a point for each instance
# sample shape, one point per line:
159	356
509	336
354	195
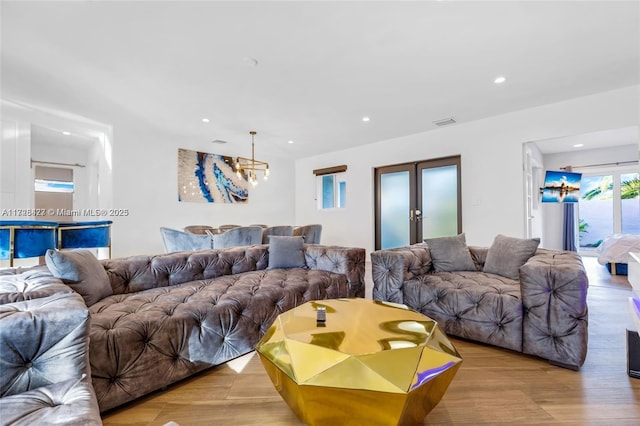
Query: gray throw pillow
80	270
286	252
450	254
507	254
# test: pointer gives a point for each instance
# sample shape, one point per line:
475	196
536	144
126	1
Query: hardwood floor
493	386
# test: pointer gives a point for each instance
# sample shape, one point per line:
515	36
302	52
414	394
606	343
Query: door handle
418	215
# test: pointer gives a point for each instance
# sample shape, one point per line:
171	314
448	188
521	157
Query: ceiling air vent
218	141
444	121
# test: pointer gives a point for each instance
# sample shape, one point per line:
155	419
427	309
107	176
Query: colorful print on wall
209	178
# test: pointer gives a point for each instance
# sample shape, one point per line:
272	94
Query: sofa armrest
42	342
554	297
343	260
391	268
36	282
70	402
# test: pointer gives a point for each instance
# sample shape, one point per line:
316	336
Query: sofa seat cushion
472	305
142	341
70	402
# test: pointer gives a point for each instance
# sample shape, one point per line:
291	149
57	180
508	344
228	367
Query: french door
609	204
418	200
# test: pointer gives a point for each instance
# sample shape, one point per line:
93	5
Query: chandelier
250	166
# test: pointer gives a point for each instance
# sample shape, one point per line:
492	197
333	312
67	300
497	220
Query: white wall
492	176
15	172
144	162
145	170
553	212
137	171
16	178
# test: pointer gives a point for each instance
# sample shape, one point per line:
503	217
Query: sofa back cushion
138	273
80	270
450	254
507	254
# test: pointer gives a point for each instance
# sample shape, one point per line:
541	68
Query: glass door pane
400	194
596	210
630	203
395	206
439	201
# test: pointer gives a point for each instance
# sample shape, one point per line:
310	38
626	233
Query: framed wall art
209	178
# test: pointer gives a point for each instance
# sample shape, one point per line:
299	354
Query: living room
138	78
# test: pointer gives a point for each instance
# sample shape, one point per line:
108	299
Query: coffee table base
358	362
321	405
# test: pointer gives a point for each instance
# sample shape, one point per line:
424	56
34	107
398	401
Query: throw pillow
80	270
450	254
507	254
286	252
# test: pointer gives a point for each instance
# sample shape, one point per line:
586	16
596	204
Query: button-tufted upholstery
169	317
44	339
544	313
173	315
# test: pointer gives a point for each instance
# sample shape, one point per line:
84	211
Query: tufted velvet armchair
176	240
543	313
310	233
281	230
237	236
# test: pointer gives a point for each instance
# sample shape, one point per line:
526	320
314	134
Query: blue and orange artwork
561	187
209	178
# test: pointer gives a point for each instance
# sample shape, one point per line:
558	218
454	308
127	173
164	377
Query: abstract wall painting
209	178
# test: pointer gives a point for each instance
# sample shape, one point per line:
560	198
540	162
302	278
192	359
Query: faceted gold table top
399	354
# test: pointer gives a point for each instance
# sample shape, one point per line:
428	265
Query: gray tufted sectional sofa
169	317
44	352
542	313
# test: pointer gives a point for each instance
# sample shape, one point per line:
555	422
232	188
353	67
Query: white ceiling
596	140
322	66
47	136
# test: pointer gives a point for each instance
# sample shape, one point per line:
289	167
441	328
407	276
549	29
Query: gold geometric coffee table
371	363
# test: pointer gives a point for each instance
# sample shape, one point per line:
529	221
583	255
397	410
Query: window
332	191
54	190
53	179
44	185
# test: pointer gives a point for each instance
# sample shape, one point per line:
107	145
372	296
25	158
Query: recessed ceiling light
290	141
578	145
253	62
66	133
206	120
366	119
500	79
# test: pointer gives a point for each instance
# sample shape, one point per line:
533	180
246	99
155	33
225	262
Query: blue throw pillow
286	252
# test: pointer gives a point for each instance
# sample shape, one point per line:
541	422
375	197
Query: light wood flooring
493	386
